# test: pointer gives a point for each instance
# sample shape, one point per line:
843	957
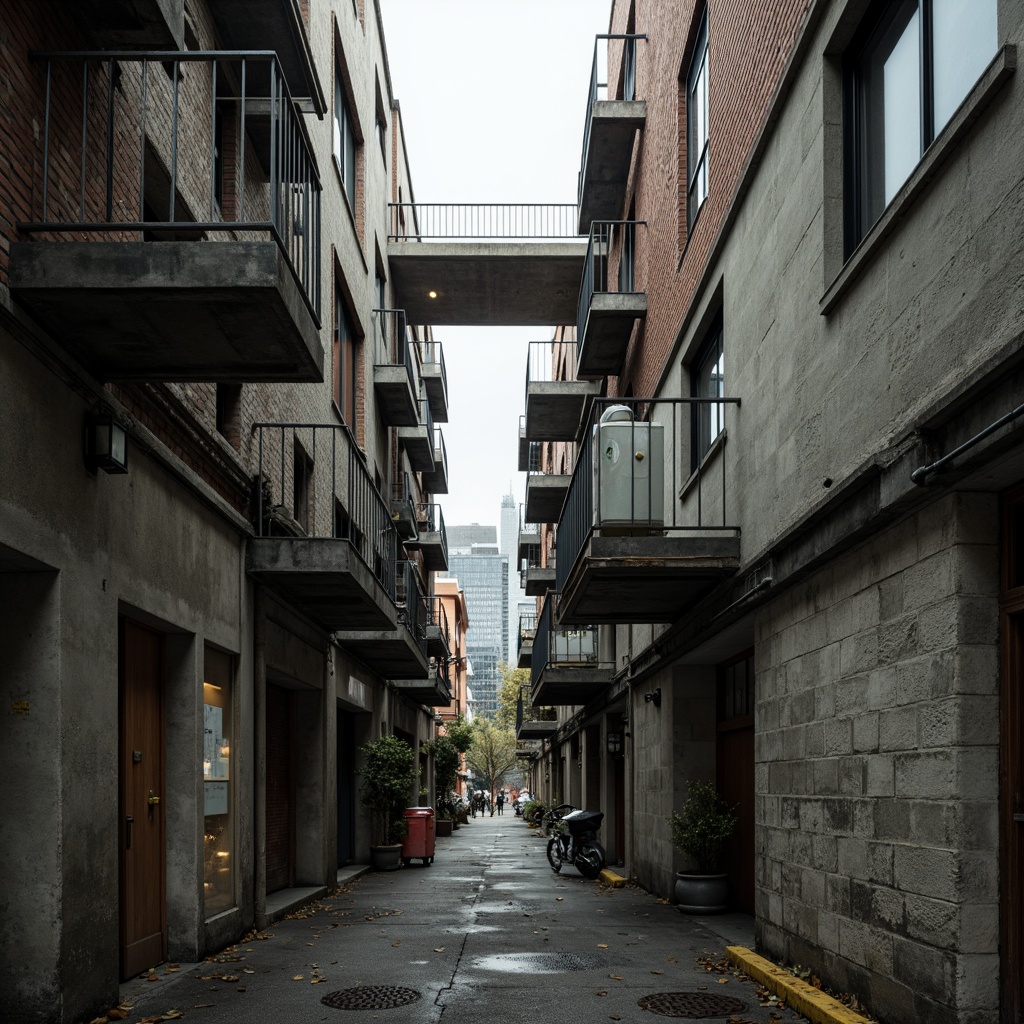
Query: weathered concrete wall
877	767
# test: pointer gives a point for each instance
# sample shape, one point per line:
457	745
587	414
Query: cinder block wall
877	768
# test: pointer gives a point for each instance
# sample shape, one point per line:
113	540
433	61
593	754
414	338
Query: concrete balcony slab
545	496
605	336
605	169
555	410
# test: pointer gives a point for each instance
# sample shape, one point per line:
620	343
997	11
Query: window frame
710	352
344	137
880	17
344	355
698	66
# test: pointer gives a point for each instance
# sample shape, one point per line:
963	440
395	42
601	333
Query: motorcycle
574	840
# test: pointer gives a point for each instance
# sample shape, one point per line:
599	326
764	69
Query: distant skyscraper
510	548
482	570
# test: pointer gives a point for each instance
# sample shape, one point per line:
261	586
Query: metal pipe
922	472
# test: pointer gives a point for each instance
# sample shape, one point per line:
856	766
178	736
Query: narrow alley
487	932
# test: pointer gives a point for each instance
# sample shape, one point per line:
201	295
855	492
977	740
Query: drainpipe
259	685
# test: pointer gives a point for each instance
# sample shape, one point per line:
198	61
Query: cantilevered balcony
527	631
535	578
435	378
439	637
152	256
273	25
436	481
324	539
556	403
545	495
400	651
613	120
646	531
434	691
394	372
564	666
497	264
431	538
529	451
609	304
403	509
418	441
537	729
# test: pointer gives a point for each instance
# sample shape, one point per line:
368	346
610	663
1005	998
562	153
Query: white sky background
493	96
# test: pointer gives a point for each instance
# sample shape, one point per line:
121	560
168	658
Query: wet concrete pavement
488	932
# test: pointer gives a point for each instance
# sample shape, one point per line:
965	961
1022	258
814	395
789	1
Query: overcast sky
493	96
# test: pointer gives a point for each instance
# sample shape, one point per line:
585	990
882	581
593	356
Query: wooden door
735	771
280	806
346	788
143	913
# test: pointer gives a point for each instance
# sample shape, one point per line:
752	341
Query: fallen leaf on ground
602	945
439	949
172	967
298	977
316	981
723	981
397	942
558	898
657	972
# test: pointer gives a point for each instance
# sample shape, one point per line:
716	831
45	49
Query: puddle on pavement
538	963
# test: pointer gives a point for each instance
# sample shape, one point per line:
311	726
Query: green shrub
701	829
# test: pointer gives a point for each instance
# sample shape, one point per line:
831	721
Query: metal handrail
677	506
392	346
605	237
577	645
131	120
627	77
440	446
432	354
431	520
412	603
543	365
437	616
527	221
333	496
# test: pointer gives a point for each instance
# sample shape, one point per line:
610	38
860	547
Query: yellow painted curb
611	879
805	999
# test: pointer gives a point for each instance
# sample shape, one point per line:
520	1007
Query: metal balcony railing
527	629
643	469
402	497
577	646
391	342
413	609
599	82
147	144
441	464
437	616
608	239
415	222
314	484
550	361
431	520
432	356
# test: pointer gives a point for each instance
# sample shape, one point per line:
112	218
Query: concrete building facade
218	461
811	596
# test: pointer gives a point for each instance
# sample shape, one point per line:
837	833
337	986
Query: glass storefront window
218	829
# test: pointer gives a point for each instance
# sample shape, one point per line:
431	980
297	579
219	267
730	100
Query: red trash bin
419	836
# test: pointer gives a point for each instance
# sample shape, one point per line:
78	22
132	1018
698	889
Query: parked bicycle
573	839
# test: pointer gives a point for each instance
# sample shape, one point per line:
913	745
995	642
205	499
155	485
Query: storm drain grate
370	997
691	1004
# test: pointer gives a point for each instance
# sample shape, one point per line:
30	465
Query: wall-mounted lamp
614	743
654	697
106	444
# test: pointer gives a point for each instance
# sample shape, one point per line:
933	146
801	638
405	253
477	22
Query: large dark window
697	125
905	74
707	380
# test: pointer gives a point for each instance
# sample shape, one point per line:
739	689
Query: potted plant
446	767
388	773
701	830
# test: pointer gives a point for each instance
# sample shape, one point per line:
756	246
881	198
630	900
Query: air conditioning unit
629	474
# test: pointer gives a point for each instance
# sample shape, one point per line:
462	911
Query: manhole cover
370	997
691	1004
539	963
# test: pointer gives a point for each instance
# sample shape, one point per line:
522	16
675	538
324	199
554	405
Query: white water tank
629	473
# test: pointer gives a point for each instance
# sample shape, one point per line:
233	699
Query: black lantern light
106	444
614	743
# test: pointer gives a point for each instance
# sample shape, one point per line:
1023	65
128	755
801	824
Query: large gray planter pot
443	827
385	858
702	894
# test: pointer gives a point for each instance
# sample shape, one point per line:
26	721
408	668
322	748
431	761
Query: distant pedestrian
501	802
